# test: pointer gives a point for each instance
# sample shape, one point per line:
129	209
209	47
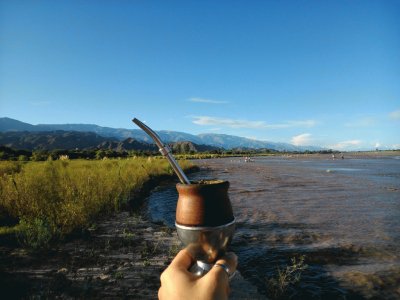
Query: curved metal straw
165	151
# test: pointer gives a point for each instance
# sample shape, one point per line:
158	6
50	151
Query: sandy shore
122	257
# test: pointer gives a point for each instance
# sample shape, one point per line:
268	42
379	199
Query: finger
160	293
230	260
183	260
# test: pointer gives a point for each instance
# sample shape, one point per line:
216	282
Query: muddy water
343	215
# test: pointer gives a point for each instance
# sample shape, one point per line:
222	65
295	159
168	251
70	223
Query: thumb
183	260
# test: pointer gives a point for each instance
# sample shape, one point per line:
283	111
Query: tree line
7	153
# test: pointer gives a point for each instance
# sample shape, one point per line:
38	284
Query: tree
100	154
39	155
23	158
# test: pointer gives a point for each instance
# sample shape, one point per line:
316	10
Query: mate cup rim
205	227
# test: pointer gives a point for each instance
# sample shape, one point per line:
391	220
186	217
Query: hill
189	147
51	140
71	140
121	134
7	124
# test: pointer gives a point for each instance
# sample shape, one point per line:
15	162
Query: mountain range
96	133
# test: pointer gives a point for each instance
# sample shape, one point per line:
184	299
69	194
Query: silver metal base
200	268
205	244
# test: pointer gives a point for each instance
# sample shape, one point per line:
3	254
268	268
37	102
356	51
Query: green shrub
289	276
62	196
9	167
34	233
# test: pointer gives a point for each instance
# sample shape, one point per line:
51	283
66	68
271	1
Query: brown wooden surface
204	204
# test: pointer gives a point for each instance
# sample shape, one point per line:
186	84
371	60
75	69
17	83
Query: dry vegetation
52	199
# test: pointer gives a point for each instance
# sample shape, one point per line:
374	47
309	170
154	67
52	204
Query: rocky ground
122	257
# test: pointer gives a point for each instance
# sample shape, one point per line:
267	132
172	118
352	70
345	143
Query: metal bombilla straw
165	151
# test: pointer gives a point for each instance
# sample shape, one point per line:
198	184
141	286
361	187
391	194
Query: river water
342	215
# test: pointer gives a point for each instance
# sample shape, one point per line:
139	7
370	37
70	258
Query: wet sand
343	215
122	257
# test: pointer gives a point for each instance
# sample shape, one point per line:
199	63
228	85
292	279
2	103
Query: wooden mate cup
204	221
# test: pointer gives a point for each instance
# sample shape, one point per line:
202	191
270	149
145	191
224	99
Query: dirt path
122	258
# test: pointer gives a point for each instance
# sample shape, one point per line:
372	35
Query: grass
173	250
9	230
285	278
54	198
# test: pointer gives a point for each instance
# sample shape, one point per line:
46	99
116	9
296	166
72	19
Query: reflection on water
346	221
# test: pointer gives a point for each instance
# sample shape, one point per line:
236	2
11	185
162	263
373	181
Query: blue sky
321	73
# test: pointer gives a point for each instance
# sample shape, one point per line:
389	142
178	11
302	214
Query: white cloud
346	145
302	139
305	123
40	103
395	115
291	124
215	129
363	122
202	100
204	120
239	123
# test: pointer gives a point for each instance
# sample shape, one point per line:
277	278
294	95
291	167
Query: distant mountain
7	124
50	140
118	133
215	140
187	147
231	141
69	140
128	144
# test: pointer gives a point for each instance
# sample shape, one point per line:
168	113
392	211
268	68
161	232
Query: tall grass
62	196
286	278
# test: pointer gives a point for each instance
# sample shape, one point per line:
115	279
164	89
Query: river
342	215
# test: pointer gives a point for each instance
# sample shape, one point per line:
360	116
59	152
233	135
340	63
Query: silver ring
224	267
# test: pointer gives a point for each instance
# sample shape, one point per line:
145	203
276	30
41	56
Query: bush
23	158
58	197
287	277
35	233
9	167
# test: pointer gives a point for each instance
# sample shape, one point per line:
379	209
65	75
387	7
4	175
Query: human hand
177	282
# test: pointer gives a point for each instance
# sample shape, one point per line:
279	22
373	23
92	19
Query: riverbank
120	256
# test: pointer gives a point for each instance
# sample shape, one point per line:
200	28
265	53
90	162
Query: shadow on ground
265	248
